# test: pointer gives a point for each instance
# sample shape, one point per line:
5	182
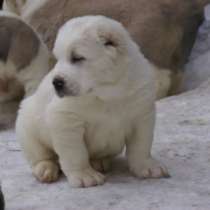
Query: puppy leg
46	171
68	141
74	160
41	159
138	150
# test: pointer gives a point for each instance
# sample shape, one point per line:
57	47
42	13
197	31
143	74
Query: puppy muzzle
64	88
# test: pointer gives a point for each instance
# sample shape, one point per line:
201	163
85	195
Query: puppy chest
105	137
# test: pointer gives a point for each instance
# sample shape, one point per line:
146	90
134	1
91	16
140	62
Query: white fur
113	107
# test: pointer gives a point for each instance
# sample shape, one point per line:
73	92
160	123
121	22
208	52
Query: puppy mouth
67	92
60	94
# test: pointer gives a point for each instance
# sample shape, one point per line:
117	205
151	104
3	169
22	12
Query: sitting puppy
24	61
98	98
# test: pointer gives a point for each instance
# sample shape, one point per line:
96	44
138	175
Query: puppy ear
114	44
112	41
14	6
109	40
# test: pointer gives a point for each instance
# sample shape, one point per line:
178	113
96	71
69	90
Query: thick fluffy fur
24	61
165	29
102	100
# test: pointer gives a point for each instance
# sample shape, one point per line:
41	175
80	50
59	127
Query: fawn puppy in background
24	61
165	29
99	98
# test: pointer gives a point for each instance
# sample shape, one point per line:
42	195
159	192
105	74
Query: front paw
150	168
85	178
46	171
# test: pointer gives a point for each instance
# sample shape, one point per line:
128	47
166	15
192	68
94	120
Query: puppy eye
77	58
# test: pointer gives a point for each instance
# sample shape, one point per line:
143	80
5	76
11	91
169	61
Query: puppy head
92	52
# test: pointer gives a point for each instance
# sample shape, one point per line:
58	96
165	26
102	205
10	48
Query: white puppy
98	98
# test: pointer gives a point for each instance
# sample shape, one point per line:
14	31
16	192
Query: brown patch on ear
18	43
109	40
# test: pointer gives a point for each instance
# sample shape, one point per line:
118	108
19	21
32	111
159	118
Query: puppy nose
58	83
